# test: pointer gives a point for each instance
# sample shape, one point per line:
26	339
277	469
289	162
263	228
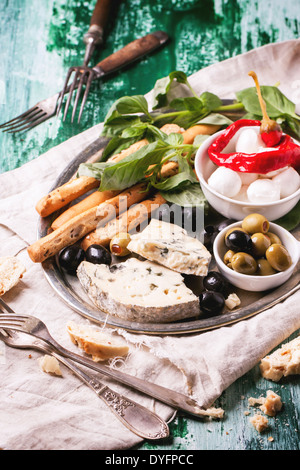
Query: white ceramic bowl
252	282
230	208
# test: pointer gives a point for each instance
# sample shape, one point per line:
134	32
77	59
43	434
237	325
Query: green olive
264	268
274	238
118	244
254	223
228	257
260	244
243	263
278	257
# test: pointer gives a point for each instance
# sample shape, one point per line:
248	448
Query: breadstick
98	197
199	129
126	222
64	194
82	224
96	236
166	128
94	199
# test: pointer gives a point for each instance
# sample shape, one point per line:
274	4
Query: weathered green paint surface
40	40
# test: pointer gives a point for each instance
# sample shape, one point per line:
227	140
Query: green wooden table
40	40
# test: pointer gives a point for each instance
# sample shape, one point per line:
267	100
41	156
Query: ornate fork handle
134	416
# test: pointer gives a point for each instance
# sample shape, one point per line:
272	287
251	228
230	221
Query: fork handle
98	22
134	416
131	52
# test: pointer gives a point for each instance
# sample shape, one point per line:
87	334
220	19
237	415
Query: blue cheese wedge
139	291
171	246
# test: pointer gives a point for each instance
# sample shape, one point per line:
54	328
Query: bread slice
11	271
98	343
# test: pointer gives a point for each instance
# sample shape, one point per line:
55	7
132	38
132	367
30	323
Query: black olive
214	281
70	258
211	303
237	240
98	254
224	224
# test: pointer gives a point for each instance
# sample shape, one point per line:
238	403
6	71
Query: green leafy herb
278	106
190	196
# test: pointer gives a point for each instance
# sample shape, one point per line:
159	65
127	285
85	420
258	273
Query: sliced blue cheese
171	246
139	291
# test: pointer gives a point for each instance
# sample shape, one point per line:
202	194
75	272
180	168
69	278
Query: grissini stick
126	222
81	225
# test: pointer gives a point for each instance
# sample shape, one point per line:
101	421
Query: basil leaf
132	168
162	87
116	145
210	101
94	170
215	119
117	123
132	104
191	103
181	179
277	103
189	196
291	220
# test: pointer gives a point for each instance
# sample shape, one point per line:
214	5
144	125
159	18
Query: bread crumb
269	405
283	362
49	364
259	422
272	404
11	271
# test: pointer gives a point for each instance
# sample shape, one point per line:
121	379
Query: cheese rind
139	291
171	246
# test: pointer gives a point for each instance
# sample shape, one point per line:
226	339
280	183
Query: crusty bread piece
11	271
50	365
282	362
100	344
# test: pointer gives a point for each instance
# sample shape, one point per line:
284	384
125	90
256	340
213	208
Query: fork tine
18	118
60	101
78	93
28	119
74	83
30	125
86	92
5	306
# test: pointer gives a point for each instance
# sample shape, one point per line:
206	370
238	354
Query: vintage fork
92	38
134	416
85	75
47	108
35	327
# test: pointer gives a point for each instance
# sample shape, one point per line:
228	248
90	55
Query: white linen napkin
39	411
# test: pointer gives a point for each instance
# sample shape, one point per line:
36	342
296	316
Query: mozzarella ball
225	181
247	178
288	181
263	190
248	142
273	173
242	194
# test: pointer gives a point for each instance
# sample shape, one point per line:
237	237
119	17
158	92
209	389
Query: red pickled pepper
286	153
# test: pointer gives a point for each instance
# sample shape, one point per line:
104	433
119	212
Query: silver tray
69	288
